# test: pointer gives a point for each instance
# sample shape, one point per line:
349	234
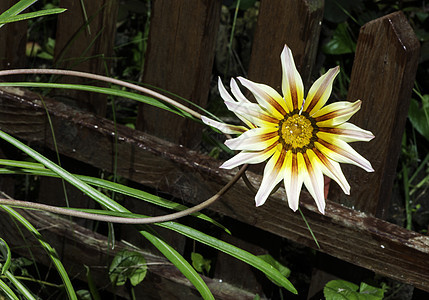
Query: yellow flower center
297	132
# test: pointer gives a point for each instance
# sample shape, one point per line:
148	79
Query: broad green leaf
366	289
200	264
285	271
344	290
419	116
341	42
340	290
127	265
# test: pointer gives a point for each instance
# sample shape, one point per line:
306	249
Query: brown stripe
334	114
337	150
293	91
280	161
275	104
320	91
268	136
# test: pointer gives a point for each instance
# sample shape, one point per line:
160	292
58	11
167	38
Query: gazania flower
301	138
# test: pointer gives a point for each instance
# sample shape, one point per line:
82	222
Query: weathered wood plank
382	77
85	48
342	232
179	59
14	35
295	23
85	247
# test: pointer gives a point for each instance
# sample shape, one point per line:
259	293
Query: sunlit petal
249	157
341	152
237	92
292	179
320	91
267	97
314	181
292	86
254	140
253	113
330	168
336	113
348	132
225	128
273	174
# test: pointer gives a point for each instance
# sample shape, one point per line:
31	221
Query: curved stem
124	220
105	79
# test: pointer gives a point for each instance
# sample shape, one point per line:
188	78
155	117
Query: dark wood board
383	75
342	232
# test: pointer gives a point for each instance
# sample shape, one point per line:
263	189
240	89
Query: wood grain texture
342	232
382	77
14	35
179	59
295	23
85	48
86	248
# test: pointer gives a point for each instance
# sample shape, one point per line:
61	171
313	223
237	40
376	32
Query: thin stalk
124	220
407	196
105	79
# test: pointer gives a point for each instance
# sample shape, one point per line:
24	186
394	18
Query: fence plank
179	59
295	23
86	48
87	248
14	35
383	76
342	232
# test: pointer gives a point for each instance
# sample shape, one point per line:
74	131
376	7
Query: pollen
296	131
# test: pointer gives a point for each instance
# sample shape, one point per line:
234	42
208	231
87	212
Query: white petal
292	180
225	128
254	140
292	86
273	174
267	97
249	157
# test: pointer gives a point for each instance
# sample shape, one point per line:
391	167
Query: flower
302	139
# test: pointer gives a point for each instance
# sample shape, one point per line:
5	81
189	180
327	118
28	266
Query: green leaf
376	293
341	42
7	291
344	290
285	271
419	116
7	256
50	251
200	263
340	290
91	284
40	170
31	15
127	265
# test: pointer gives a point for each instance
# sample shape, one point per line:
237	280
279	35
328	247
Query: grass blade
51	251
8	292
108	203
31	15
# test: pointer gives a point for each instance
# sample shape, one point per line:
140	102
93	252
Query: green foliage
285	271
419	115
341	42
200	264
344	290
127	265
13	13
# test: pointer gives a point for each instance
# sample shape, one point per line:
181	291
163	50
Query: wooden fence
160	153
